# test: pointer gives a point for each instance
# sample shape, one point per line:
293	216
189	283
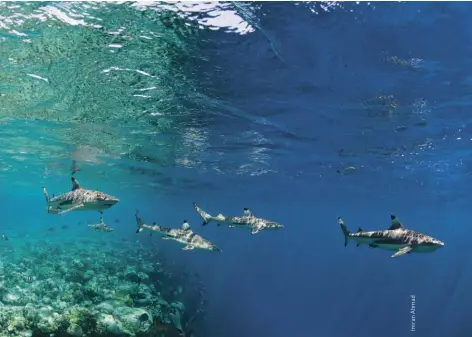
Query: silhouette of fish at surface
74	168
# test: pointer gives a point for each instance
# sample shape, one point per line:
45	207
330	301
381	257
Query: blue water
302	112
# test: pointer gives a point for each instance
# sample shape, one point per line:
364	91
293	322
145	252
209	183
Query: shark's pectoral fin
402	251
256	230
373	245
77	206
188	247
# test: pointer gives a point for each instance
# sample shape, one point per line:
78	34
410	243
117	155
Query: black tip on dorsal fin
359	230
75	184
246	209
395	224
185	225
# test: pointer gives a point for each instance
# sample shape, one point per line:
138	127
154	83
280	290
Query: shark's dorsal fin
247	212
359	230
185	226
75	184
396	224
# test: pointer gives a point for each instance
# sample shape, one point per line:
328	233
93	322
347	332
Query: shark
183	235
247	220
101	226
396	238
79	199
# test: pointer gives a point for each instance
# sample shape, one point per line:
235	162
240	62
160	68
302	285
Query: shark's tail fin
46	195
139	222
205	216
345	231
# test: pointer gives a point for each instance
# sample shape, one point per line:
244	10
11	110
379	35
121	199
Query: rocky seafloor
94	289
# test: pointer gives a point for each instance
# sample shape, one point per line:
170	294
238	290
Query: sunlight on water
78	75
296	111
105	82
110	85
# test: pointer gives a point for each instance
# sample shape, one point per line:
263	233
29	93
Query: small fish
102	226
167	330
65	227
28	279
4	237
117	220
346	169
51	228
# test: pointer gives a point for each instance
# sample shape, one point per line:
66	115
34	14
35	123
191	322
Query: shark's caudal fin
46	195
205	216
139	222
345	231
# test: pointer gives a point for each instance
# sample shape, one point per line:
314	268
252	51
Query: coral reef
92	289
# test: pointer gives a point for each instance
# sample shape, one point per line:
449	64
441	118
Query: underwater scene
235	169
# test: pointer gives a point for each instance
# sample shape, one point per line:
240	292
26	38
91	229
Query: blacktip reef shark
79	199
396	238
101	226
183	235
247	220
